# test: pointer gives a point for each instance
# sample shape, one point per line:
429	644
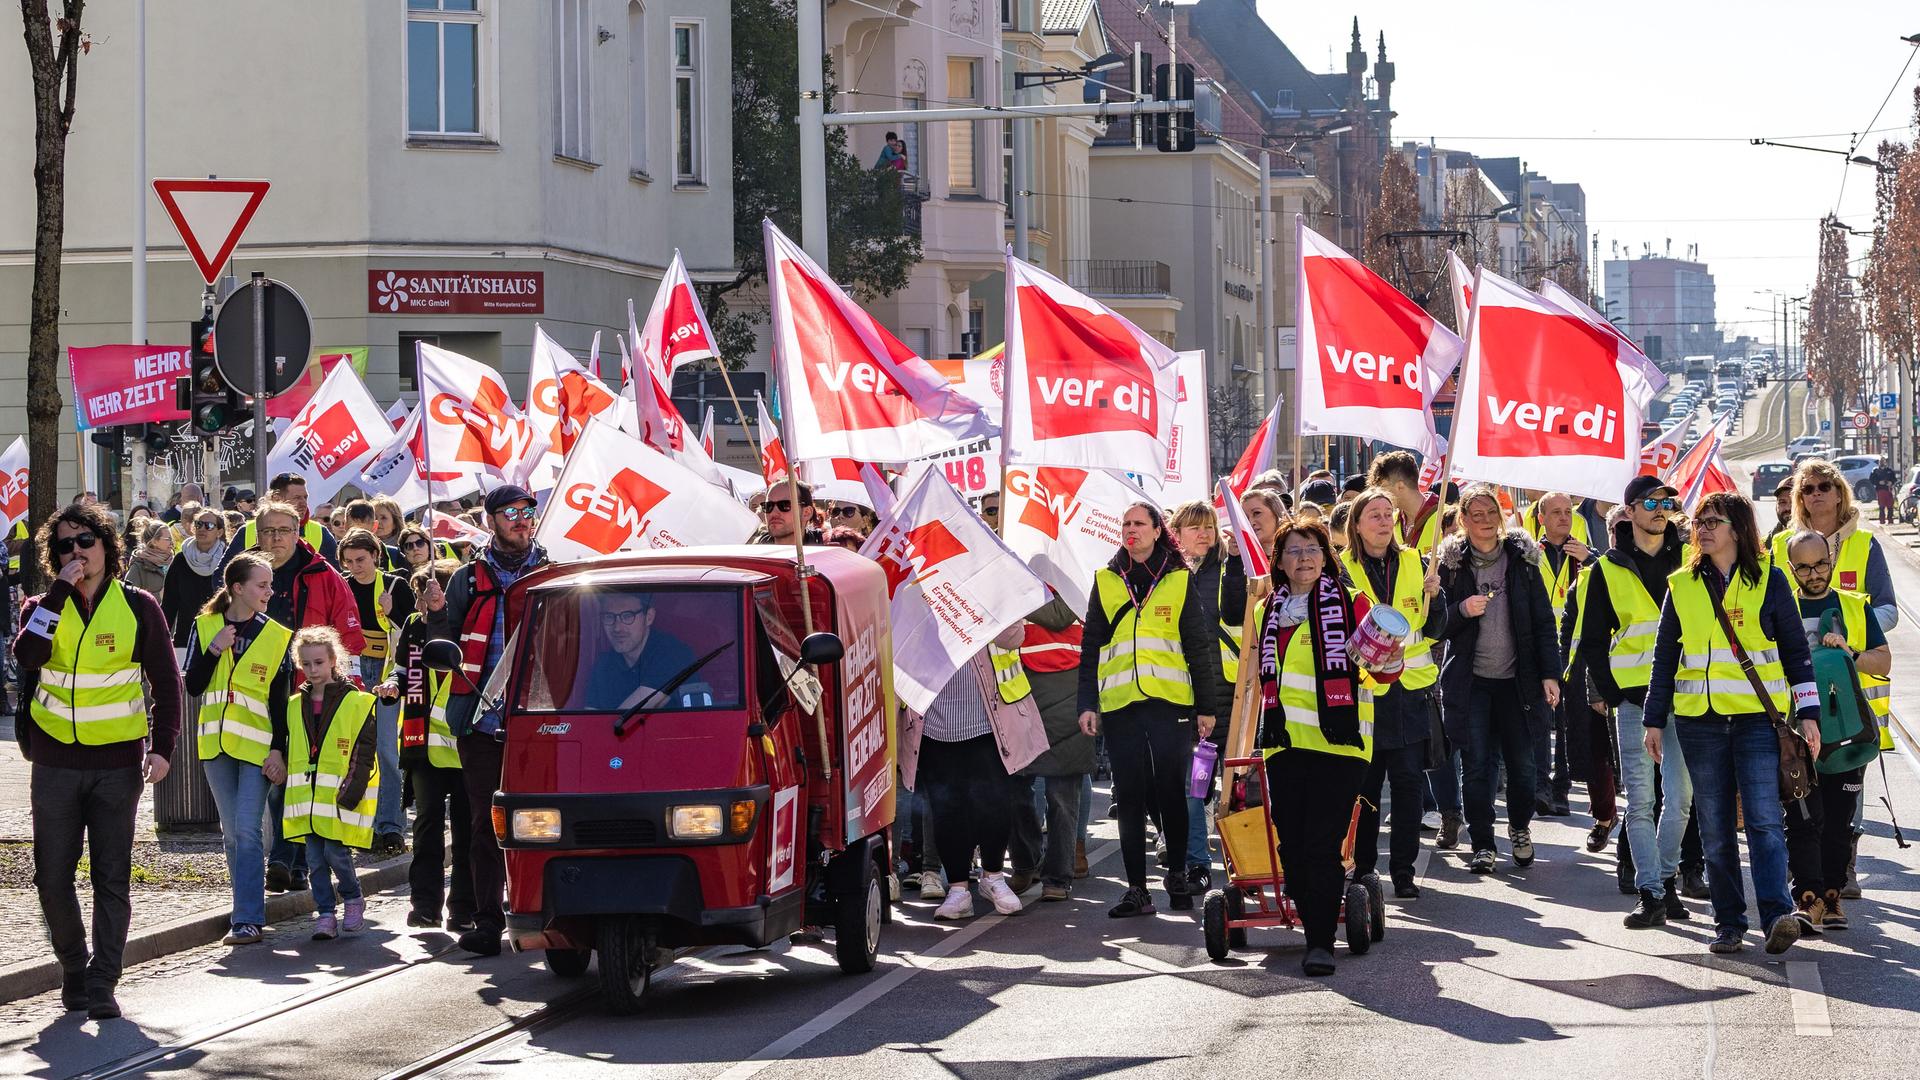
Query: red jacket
319	596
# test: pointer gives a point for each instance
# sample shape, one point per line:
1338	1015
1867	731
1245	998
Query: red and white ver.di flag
1657	458
953	586
1084	387
1371	360
471	422
1253	558
773	450
13	485
1702	471
1065	523
848	388
618	494
706	432
676	331
333	436
1460	278
1254	460
1547	399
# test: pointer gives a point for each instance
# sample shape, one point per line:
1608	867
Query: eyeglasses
208	526
1652	504
517	513
622	619
1708	524
1819	488
278	530
65	545
785	506
1312	552
1809	568
417	542
846	511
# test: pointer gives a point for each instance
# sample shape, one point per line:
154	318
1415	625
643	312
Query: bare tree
1832	338
54	48
1891	281
1400	260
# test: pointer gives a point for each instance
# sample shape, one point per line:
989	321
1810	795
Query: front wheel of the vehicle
858	916
626	967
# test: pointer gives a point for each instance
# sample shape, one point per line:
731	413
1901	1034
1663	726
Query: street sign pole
259	283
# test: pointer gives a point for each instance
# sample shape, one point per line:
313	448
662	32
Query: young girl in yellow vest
333	776
237	665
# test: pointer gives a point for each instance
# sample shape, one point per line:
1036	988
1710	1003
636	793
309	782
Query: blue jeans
389	816
1496	730
1445	784
1086	806
1729	758
328	862
1655	847
240	793
282	852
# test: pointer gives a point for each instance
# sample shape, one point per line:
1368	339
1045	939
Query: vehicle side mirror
820	648
441	655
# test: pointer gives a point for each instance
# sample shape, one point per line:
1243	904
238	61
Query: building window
963	166
572	80
409	367
689	148
637	86
910	134
444	69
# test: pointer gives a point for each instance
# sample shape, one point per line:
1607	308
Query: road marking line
1707	971
1809	999
911	965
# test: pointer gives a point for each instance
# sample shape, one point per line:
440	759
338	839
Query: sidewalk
180	886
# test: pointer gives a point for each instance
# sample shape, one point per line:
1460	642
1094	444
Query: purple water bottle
1200	778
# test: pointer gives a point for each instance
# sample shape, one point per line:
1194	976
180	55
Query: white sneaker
1005	900
932	883
1430	821
958	904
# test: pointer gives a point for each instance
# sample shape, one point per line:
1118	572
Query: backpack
1849	732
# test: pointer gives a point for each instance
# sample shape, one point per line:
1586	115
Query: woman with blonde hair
1220	585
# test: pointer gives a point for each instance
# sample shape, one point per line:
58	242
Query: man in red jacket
307	591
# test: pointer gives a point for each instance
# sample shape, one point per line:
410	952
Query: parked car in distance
1856	468
1828	452
1804	442
1767	477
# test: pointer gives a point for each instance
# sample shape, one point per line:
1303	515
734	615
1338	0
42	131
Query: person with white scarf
194	573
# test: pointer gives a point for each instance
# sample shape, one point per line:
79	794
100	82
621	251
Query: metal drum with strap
1709	679
234	716
1143	658
90	690
314	775
1409	599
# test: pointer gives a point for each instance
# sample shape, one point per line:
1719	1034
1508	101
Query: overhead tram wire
1856	140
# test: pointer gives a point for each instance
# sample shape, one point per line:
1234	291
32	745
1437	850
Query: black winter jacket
1536	643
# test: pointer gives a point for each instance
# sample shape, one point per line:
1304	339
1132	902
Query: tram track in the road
553	1014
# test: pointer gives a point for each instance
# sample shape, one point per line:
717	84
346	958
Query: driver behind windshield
640	657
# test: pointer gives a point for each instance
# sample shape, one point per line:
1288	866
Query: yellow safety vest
313	781
1009	674
1709	678
1429	533
233	713
1300	701
1558	584
1849	563
1410	599
382	627
90	689
1229	653
1854	614
1143	658
310	532
443	752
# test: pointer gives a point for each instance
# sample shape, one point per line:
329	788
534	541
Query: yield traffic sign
210	215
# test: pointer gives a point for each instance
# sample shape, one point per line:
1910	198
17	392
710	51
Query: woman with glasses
1316	724
147	566
417	547
1150	676
194	573
1728	605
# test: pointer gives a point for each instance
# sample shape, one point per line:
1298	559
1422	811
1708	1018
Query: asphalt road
1523	973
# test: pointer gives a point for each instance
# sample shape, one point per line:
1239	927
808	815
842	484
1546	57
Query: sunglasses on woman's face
846	511
416	542
1820	487
64	545
206	526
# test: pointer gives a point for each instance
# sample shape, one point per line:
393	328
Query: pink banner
126	384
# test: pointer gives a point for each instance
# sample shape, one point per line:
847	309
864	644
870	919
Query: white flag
1065	523
472	423
333	436
954	586
676	331
399	471
1189	464
13	483
616	493
1084	387
561	397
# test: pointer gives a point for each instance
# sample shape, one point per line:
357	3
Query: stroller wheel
1236	909
1358	918
1213	922
1376	907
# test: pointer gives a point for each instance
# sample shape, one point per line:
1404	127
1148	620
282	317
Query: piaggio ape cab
685	767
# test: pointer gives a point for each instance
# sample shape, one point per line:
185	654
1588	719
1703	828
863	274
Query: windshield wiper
645	703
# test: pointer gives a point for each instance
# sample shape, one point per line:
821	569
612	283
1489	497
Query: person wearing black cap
476	616
1619	602
1321	493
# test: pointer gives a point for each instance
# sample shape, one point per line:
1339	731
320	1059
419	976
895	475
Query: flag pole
1243	718
426	442
739	411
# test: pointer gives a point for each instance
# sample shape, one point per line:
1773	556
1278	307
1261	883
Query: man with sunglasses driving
1619	602
84	649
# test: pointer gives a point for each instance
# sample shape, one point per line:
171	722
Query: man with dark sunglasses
780	517
1619	601
84	649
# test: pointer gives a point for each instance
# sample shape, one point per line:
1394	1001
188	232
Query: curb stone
30	977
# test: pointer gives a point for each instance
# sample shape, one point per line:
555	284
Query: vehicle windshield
605	649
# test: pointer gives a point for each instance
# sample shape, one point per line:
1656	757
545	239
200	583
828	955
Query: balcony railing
1121	277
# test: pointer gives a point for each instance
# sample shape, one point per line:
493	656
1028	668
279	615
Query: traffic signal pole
258	285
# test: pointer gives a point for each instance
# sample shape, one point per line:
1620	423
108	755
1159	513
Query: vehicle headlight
536	824
697	822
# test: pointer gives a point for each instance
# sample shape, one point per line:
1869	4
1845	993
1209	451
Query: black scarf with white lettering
1330	621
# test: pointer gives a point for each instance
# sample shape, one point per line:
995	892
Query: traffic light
113	439
156	438
212	408
1173	132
